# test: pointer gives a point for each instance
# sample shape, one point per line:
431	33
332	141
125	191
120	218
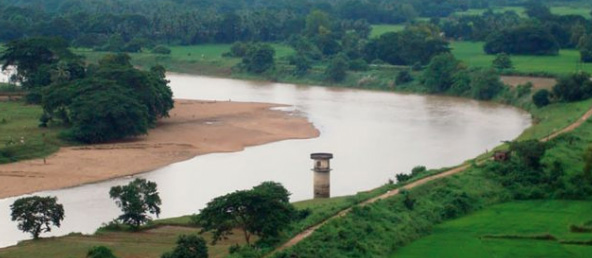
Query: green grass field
518	10
380	29
462	237
566	62
20	136
199	59
557	10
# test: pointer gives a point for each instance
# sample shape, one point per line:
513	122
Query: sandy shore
193	128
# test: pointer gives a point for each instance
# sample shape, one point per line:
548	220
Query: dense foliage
264	211
100	252
446	74
522	40
132	24
36	214
574	87
189	246
258	58
415	44
136	200
104	102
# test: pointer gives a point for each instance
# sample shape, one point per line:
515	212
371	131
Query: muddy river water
373	135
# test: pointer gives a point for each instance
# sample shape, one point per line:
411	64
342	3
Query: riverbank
193	128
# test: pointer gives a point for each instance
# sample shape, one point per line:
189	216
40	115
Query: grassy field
146	244
380	29
566	62
20	136
558	10
199	59
463	237
518	10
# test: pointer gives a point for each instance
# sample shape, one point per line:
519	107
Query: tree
588	163
100	252
259	58
95	119
301	63
574	87
530	152
415	44
585	47
502	61
150	88
541	98
403	77
536	9
34	57
36	214
522	40
337	68
485	84
439	74
316	22
160	49
264	211
189	246
137	199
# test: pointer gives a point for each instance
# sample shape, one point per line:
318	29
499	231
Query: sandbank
193	128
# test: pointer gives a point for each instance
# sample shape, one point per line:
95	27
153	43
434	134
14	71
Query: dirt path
306	233
569	128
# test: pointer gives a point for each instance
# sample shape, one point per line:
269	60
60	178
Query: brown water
373	135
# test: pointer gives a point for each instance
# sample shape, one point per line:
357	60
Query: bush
259	58
574	87
485	84
189	246
522	40
160	49
403	77
100	252
337	68
523	89
502	61
541	98
358	65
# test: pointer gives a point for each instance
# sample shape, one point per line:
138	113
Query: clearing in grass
380	29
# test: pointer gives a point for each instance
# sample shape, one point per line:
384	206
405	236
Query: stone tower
322	179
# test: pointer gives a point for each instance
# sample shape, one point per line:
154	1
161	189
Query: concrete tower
322	179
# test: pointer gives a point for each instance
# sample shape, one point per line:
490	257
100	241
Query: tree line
100	102
129	25
263	211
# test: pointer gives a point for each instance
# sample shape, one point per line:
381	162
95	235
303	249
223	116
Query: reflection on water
373	135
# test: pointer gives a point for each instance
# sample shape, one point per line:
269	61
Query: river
373	135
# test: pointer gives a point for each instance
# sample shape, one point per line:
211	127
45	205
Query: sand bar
193	128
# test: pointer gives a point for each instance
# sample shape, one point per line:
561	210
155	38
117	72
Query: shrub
337	68
100	252
189	246
403	77
160	49
358	65
541	98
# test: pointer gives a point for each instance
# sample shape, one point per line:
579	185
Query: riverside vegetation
334	47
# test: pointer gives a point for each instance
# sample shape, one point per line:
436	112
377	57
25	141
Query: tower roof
321	156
